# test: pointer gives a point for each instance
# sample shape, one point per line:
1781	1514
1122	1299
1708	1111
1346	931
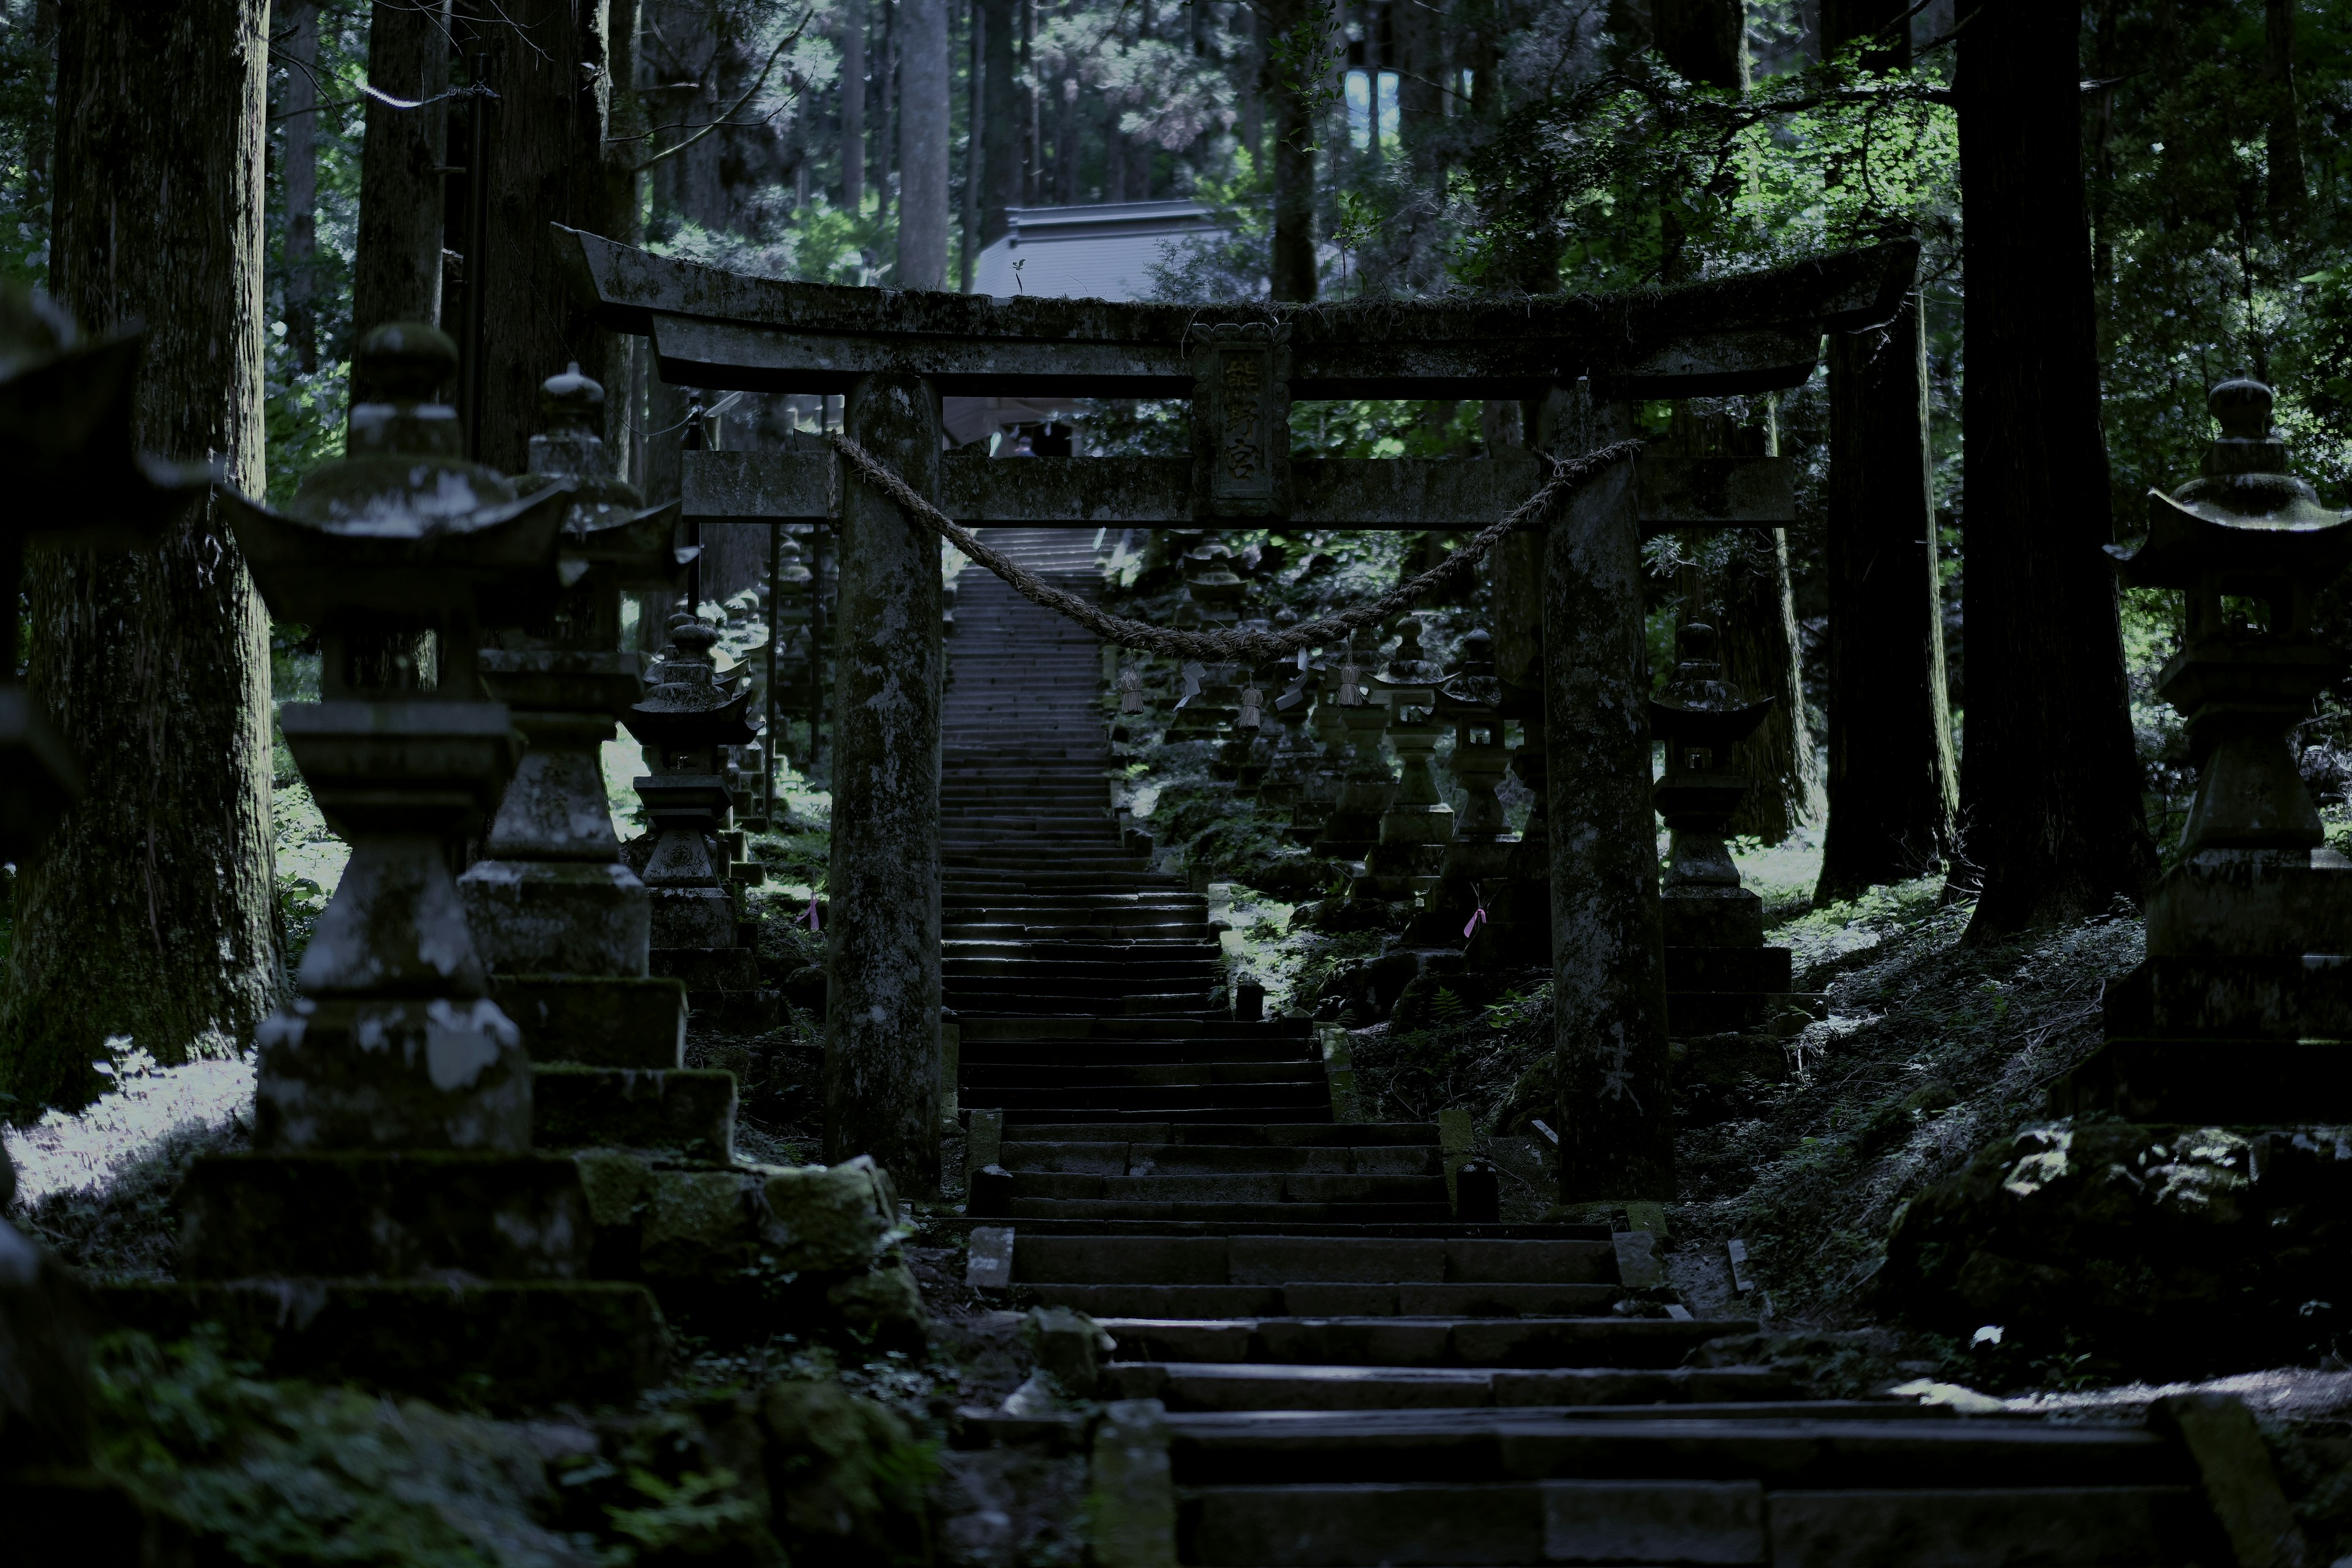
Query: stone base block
1778	1014
505	1345
1712	917
708	968
2306	997
692	917
596	1021
408	1073
2252	902
1766	969
557	917
2223	1082
492	1216
689	1112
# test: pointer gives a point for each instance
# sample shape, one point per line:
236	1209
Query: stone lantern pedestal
1416	824
1517	931
1365	784
1476	861
560	918
1721	978
687	719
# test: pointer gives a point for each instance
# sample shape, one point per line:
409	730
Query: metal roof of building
1105	251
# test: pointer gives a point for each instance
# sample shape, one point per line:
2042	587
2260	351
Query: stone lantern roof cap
1472	687
1410	667
2245	516
75	474
1698	706
403	527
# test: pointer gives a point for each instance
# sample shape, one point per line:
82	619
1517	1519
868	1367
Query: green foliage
283	1472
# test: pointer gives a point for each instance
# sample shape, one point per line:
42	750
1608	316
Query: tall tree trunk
1291	38
151	913
1894	782
923	143
396	263
2052	812
2284	144
1420	26
1761	654
550	67
999	47
1033	151
40	135
975	157
298	166
886	92
1251	88
852	104
1705	40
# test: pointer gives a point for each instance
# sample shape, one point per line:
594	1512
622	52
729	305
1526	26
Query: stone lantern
1416	823
1321	778
399	546
1280	792
76	478
1477	856
560	918
1720	977
1365	784
1517	931
686	721
2239	1014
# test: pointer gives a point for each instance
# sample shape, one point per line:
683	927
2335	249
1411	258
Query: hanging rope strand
1257	647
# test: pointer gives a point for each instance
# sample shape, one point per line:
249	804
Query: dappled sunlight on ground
64	1153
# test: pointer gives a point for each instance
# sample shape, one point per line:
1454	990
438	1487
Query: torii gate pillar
882	950
1609	989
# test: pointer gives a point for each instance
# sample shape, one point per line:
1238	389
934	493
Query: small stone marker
1455	1133
990	1266
1736	1250
2240	1485
984	1141
1069	1346
1638	1268
1133	1503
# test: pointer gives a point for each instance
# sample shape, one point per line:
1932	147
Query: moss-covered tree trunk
396	261
150	914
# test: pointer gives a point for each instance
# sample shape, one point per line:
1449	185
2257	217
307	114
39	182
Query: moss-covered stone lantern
2238	1012
1477	855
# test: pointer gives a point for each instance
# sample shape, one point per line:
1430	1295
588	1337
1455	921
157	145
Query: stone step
1160	1302
1741	1391
1089	952
1113	1158
1067	977
1574	1340
1310	1099
1271	1213
1788	1450
1345	1135
995	1074
1044	1028
1237	1187
1058	1054
1211	1112
1303	1259
1173	1004
1407	1524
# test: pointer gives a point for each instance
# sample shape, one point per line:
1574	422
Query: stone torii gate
1580	363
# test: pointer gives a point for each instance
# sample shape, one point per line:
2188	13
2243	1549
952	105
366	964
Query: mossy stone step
506	1344
1422	1342
597	1020
1754	1390
686	1111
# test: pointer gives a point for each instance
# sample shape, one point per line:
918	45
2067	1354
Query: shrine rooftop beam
1754	332
1441	495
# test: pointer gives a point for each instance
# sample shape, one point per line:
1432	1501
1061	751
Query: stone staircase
1339	1371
